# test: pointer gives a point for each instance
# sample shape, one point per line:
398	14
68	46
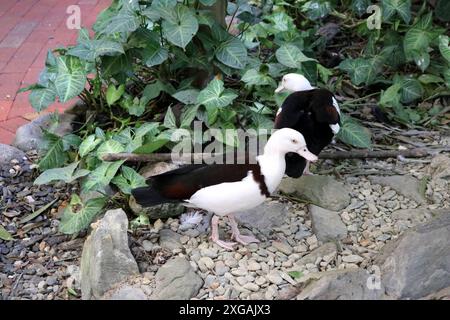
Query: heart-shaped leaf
400	7
232	53
113	94
353	133
180	26
77	215
291	56
128	180
65	174
71	78
188	96
215	96
110	146
88	145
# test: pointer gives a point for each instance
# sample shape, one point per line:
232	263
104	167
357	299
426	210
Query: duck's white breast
228	197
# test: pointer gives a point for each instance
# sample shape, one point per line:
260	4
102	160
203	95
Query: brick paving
28	29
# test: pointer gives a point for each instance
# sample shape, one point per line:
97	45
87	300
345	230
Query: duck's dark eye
294	141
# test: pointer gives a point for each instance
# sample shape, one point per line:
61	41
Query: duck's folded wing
182	184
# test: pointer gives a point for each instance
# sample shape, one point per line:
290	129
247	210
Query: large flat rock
418	262
323	191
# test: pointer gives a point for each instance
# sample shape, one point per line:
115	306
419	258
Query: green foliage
149	60
77	215
353	133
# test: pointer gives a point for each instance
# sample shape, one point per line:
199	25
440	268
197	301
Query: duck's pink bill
305	153
279	89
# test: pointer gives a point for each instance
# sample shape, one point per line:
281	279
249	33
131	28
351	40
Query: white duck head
288	140
294	82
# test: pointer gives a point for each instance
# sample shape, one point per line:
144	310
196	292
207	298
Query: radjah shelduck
313	112
225	189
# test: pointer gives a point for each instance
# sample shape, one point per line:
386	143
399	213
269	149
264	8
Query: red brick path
28	28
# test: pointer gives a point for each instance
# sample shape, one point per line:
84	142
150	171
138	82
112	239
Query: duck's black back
310	112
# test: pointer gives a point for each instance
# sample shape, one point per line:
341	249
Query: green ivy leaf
232	53
151	146
444	48
110	146
128	180
430	78
411	90
65	174
188	96
160	9
360	6
291	56
41	98
92	49
361	70
188	115
317	9
353	133
180	26
391	97
71	78
124	21
400	7
154	55
113	94
417	39
169	120
422	60
77	216
215	96
254	77
98	179
88	144
55	155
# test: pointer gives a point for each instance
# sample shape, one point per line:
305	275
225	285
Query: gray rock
161	211
106	258
327	225
177	280
323	191
8	153
439	167
405	185
30	135
169	240
418	262
418	215
264	217
324	250
128	293
350	284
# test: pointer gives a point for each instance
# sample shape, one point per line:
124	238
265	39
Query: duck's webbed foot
236	234
215	235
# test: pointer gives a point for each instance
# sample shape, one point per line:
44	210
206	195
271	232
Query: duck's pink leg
306	171
215	235
236	234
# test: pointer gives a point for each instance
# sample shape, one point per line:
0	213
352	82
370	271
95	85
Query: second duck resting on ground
225	189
